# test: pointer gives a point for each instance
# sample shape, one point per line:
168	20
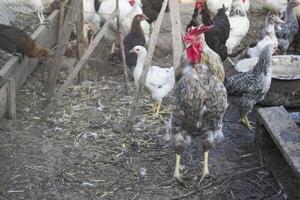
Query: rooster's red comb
131	2
199	4
198	30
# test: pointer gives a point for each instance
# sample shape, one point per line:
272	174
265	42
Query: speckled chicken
287	31
201	97
16	41
248	88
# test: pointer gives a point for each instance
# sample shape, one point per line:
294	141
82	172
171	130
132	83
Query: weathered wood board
20	71
284	132
278	137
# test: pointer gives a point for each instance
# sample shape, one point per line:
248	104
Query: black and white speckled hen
248	88
201	97
286	32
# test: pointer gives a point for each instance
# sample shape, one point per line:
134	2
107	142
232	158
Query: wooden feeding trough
19	72
285	86
278	137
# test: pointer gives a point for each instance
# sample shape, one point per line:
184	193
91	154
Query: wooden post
63	37
176	32
52	71
120	40
80	34
11	99
152	44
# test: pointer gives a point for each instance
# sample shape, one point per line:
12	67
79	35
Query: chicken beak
145	17
279	21
131	51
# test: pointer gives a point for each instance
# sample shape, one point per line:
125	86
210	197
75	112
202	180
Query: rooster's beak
131	51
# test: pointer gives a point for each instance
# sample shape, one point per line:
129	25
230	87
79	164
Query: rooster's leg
244	120
205	167
177	166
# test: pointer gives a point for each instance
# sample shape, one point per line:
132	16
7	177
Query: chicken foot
205	171
155	110
244	120
19	55
177	174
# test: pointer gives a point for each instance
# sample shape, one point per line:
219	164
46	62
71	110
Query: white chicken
239	24
214	5
128	9
34	5
91	18
270	37
159	81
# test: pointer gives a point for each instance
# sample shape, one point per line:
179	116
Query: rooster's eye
137	50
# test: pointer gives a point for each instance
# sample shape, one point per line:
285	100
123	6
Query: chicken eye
137	50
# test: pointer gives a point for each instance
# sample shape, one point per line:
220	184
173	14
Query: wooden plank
176	32
284	132
44	36
11	99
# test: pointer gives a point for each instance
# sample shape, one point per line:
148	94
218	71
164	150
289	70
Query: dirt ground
80	153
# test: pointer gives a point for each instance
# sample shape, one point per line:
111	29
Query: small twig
220	181
256	184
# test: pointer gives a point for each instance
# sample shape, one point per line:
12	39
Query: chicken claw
46	22
244	120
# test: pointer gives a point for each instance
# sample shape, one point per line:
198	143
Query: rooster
201	97
16	41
